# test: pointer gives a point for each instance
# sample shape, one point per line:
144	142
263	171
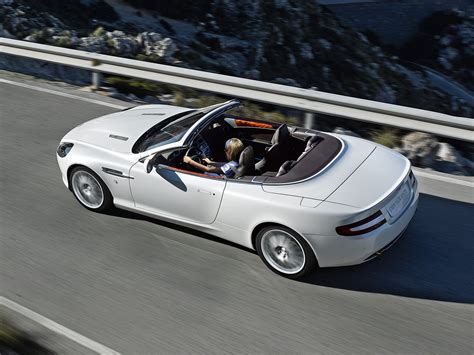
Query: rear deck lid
374	180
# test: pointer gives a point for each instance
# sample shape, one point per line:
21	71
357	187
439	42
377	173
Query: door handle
206	192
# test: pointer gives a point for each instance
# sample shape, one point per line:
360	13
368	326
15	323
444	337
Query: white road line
442	178
63	94
58	328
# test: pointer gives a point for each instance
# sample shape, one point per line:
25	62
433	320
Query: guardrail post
96	76
308	120
96	80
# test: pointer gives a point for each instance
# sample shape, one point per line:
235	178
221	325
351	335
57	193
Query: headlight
64	149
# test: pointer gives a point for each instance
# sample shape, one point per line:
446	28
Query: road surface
139	285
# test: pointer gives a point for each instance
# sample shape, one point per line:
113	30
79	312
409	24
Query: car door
177	194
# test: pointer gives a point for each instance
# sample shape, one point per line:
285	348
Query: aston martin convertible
300	197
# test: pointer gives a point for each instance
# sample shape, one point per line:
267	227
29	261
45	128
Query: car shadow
132	215
172	178
434	259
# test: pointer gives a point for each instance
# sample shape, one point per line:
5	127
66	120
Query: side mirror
148	163
151	162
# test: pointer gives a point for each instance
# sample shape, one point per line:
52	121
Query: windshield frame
159	128
209	114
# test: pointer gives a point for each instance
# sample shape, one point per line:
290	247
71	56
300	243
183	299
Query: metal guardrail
303	99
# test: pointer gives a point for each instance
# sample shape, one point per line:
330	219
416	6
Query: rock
291	59
5	33
152	100
92	44
343	131
133	97
115	34
447	153
252	74
306	51
326	72
119	96
109	89
66	39
151	43
126	45
425	151
386	94
324	43
166	98
420	148
148	39
286	81
166	48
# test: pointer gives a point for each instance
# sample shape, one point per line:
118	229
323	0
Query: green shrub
14	340
98	32
142	88
41	36
388	137
138	87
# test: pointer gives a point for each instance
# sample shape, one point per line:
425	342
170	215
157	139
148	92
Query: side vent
121	138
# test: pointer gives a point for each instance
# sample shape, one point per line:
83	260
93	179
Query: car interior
272	150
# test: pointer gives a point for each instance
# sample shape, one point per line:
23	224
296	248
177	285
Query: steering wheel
195	154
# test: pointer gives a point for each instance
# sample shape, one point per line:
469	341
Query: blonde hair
233	148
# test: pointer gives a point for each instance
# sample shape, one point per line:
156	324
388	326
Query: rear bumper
336	250
385	248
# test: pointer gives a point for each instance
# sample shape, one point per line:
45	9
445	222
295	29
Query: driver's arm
195	164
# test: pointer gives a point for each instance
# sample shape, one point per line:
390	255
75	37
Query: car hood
120	130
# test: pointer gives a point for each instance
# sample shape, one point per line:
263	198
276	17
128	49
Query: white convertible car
300	197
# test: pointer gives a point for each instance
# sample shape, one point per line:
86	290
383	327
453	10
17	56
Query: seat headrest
246	162
310	144
282	134
285	167
312	140
246	156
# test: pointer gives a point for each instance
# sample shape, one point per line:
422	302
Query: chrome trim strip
121	138
115	173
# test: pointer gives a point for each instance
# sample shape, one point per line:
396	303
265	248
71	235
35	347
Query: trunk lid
380	174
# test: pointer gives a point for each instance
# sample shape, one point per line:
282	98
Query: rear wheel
285	252
90	190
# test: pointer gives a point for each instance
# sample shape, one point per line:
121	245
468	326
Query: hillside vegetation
296	43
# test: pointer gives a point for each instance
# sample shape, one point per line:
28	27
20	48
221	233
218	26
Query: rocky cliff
296	43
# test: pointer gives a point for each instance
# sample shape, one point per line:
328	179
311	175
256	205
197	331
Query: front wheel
285	252
90	190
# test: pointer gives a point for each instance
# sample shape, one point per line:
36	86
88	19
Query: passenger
233	148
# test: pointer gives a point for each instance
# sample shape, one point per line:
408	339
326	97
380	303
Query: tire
89	189
285	252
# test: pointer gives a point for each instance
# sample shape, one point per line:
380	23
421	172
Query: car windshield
167	132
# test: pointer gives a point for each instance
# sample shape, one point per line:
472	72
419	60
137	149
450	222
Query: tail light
364	226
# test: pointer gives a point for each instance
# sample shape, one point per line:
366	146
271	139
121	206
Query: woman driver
233	148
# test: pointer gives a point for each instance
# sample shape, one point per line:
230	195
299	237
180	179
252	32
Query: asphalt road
141	286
